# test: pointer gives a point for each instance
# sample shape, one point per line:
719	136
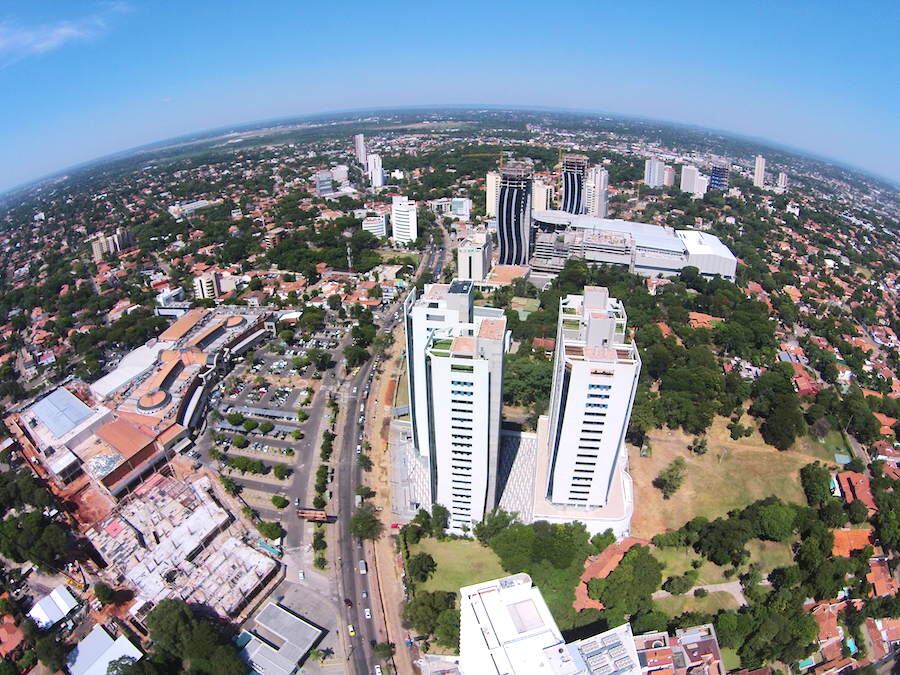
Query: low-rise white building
473	256
377	225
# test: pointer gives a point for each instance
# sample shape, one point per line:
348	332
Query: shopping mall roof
61	411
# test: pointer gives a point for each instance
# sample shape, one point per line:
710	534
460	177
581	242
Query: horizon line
212	131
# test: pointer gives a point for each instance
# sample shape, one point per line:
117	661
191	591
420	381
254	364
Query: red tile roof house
599	567
883	582
887	423
856	486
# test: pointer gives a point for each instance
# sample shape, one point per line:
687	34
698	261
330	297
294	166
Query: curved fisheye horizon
359	115
449	338
96	78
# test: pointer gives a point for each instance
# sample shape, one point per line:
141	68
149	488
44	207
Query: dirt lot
730	475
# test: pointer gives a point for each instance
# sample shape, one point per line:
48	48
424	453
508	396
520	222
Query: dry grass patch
730	475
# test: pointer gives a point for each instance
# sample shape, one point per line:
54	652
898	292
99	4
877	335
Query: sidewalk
388	566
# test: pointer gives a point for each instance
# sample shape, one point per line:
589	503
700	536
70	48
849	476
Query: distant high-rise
359	147
491	193
693	181
688	177
718	177
759	172
782	180
514	213
455	355
596	192
375	170
668	176
595	375
541	195
322	180
404	220
574	169
654	173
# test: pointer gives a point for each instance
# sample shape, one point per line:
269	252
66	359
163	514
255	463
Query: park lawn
460	562
710	604
767	554
730	658
825	449
387	254
731	475
771	554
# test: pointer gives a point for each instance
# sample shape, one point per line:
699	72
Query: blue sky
83	79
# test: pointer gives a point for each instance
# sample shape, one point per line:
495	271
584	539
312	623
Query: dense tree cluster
183	642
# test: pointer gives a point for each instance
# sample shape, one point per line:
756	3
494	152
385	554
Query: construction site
172	539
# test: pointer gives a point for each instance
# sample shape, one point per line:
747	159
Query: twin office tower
513	192
455	365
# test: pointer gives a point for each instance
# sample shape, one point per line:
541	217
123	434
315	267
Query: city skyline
77	71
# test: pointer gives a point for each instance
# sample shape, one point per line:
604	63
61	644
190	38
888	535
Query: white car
378	670
302	575
367	613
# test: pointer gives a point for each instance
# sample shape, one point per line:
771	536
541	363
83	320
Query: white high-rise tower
595	375
596	192
375	170
455	355
359	147
404	220
491	193
759	172
654	172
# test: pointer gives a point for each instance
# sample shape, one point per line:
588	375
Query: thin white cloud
18	41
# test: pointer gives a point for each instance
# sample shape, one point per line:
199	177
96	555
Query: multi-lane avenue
357	587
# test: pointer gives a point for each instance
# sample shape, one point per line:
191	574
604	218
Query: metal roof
94	654
61	411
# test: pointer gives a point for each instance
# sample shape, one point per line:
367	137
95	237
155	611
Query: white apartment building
541	195
455	358
506	628
473	256
374	170
782	180
491	193
596	192
654	170
688	176
759	172
207	287
404	219
693	181
377	225
359	148
595	375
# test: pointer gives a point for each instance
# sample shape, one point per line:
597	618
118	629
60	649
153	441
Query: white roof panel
61	411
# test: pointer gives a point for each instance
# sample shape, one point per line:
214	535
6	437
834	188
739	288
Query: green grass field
730	658
768	554
459	563
709	604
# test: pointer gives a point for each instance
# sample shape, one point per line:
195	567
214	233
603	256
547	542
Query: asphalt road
349	477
